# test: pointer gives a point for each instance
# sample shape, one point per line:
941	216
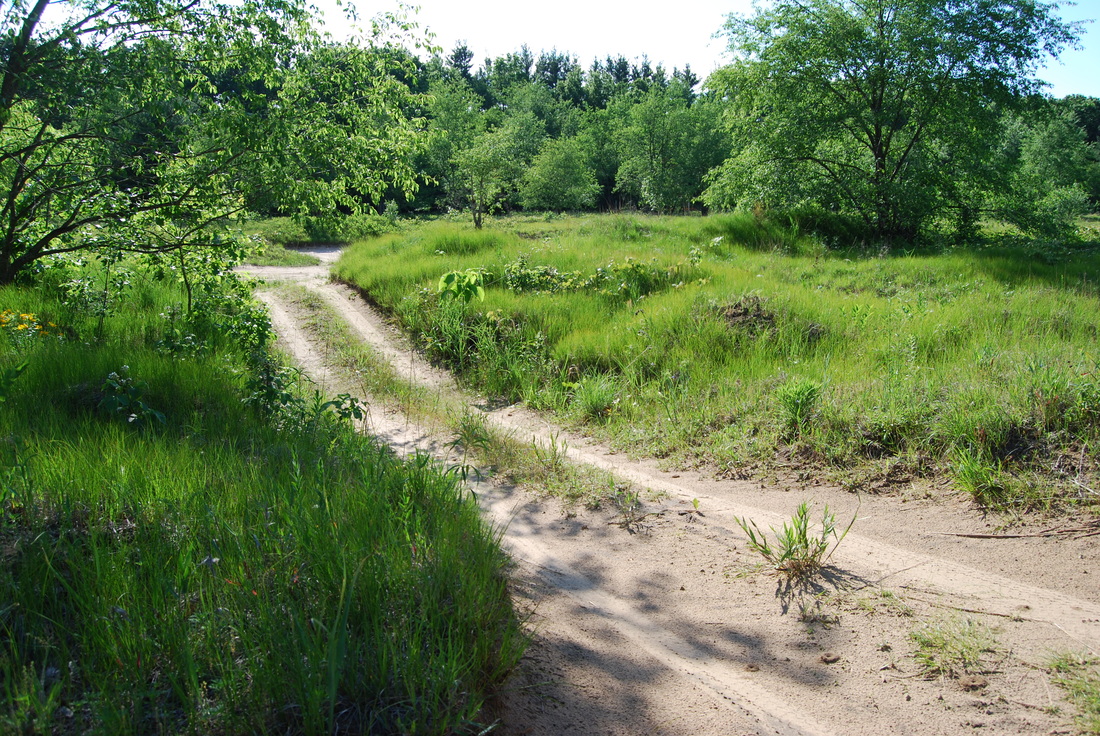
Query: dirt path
657	627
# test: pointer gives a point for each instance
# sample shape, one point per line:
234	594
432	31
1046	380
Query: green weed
797	552
463	285
798	400
978	476
595	398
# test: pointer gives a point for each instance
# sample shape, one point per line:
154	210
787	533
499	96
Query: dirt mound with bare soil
652	615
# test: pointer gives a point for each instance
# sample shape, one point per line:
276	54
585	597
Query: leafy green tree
489	173
455	119
553	67
461	60
667	147
1051	172
560	178
1086	111
132	125
597	137
884	109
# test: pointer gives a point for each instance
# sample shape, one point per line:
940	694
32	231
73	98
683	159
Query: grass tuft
798	553
1079	676
954	647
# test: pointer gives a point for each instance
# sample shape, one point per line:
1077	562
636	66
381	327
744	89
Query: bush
345	228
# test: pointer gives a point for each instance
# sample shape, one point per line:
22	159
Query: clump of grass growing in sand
954	647
1079	676
798	551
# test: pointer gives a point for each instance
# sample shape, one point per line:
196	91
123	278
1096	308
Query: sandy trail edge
876	561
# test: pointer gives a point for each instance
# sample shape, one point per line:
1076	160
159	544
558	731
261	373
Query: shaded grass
990	352
218	571
274	254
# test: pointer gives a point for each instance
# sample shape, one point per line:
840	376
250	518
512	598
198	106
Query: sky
680	32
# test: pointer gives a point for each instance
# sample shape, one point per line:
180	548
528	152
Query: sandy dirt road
662	627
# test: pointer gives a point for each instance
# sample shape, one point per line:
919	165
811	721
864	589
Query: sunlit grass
919	356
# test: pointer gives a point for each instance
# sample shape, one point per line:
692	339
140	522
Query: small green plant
954	647
463	285
15	476
471	434
126	396
798	399
1079	676
346	406
631	510
594	398
979	476
8	377
552	455
797	552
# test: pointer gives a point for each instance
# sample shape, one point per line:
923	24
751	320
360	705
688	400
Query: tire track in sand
964	586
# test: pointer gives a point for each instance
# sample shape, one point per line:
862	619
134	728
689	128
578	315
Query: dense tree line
893	117
131	125
544	133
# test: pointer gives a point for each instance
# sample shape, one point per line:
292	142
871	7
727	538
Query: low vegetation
954	647
543	467
799	551
1079	676
746	344
192	540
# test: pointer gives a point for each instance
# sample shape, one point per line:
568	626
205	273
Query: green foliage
798	399
595	398
954	647
979	476
490	171
462	285
1053	172
226	571
177	115
8	377
798	552
620	281
666	146
125	395
559	178
345	228
884	110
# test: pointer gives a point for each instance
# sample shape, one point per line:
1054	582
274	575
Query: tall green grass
182	562
987	352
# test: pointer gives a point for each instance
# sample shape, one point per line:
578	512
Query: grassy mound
739	342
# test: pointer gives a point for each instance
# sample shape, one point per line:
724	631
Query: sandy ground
668	626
